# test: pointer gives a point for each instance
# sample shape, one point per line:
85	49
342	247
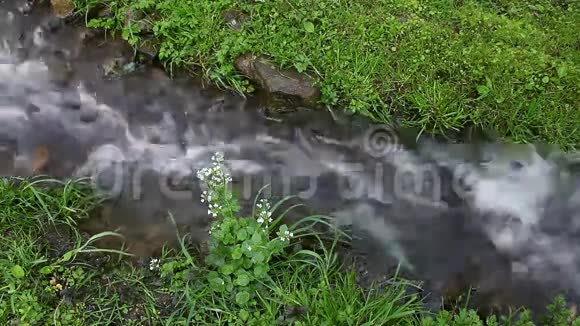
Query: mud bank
499	218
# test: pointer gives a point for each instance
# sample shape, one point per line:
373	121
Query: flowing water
502	218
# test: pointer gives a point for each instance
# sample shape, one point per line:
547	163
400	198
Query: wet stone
32	108
86	35
516	165
71	100
89	115
53	25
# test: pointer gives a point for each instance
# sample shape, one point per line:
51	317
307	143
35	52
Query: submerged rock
286	82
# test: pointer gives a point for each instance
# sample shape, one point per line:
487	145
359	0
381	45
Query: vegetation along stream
135	194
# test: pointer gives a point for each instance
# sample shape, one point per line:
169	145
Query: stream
501	218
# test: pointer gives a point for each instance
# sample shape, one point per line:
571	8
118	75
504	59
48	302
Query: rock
149	47
287	82
53	25
89	115
112	66
32	108
87	34
71	100
236	19
63	8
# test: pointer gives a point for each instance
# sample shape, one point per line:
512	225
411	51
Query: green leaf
243	279
261	270
257	238
545	80
46	270
237	253
242	235
18	271
258	257
227	269
68	255
244	315
217	284
308	26
562	71
242	297
483	90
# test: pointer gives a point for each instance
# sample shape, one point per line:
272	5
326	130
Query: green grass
510	66
51	274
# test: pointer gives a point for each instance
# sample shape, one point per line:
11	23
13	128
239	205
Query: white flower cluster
286	236
213	176
154	264
264	213
216	174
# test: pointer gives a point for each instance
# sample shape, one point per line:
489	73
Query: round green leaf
260	270
237	253
242	235
483	90
244	315
18	271
545	80
227	269
243	279
242	297
258	257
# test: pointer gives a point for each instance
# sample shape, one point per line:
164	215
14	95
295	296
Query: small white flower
154	264
249	248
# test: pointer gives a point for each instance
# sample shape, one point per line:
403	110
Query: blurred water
503	218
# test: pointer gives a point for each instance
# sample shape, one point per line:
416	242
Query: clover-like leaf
242	297
261	270
258	257
237	253
227	269
243	279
